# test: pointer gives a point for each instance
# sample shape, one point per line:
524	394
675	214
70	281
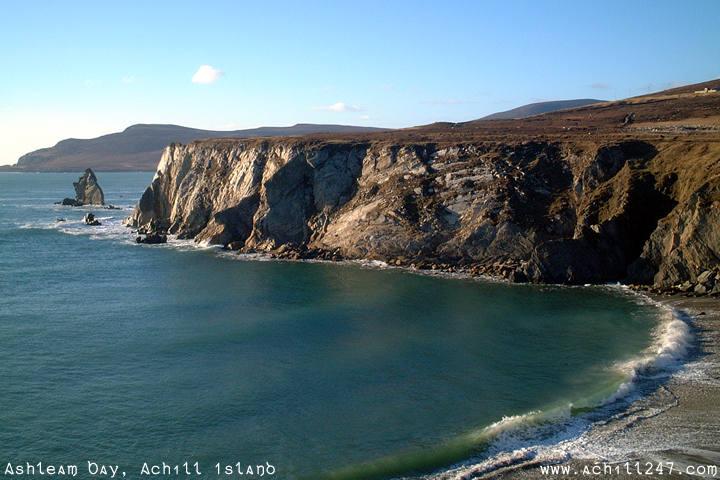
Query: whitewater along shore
671	430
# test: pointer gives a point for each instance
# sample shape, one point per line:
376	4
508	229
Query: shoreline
658	428
642	427
499	271
676	421
658	409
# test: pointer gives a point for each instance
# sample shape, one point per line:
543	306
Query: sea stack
87	191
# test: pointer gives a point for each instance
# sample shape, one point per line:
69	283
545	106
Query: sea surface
123	354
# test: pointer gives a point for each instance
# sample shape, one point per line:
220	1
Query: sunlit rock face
541	211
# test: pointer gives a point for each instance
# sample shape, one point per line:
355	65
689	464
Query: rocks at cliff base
90	219
707	282
152	238
87	192
153	233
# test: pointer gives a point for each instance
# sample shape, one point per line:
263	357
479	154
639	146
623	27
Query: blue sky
83	69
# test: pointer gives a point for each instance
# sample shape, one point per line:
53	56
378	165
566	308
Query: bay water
127	354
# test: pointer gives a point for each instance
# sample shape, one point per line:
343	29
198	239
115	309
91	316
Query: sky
83	69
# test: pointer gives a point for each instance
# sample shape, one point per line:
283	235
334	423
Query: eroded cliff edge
639	211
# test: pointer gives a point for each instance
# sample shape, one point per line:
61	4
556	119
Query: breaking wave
545	436
559	434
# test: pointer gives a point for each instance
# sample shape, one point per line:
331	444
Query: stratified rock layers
560	212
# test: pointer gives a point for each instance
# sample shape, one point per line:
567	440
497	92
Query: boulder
707	275
69	202
90	219
152	238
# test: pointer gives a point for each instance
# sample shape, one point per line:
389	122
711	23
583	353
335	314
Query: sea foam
553	436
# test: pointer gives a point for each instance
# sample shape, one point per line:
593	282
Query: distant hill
139	147
540	107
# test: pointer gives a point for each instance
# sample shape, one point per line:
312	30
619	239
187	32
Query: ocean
132	355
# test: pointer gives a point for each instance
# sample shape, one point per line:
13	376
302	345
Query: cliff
525	199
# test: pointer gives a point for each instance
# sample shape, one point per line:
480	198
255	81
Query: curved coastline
664	418
519	445
561	434
546	436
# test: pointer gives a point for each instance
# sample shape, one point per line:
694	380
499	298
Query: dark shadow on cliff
622	205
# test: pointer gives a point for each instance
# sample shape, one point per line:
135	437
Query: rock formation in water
537	204
90	219
152	238
87	191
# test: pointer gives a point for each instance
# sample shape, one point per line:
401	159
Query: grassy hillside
540	107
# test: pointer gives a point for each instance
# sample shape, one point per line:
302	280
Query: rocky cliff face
564	211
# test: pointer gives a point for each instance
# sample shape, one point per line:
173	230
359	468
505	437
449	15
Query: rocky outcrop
87	191
151	238
684	249
69	202
540	211
90	219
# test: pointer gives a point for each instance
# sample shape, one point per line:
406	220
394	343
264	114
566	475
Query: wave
549	435
111	226
673	340
558	435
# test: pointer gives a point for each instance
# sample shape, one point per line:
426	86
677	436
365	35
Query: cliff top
667	114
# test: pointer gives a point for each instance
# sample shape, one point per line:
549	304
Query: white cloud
600	86
327	88
365	117
128	79
206	74
339	107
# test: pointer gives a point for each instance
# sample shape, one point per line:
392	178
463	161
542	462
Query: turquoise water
123	354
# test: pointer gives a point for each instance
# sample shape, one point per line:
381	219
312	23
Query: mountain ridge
139	146
538	108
